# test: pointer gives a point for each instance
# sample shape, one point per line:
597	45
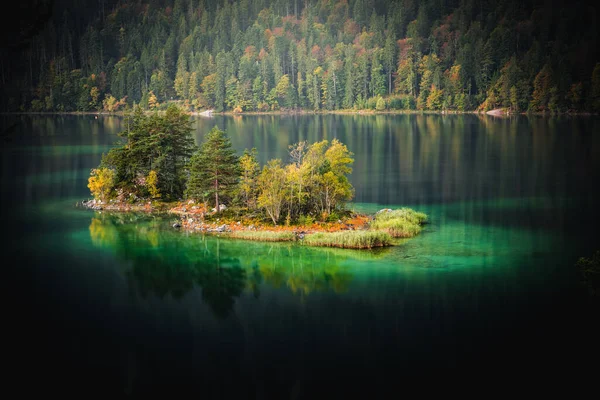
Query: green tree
282	90
162	143
214	169
208	86
542	85
377	76
389	58
514	100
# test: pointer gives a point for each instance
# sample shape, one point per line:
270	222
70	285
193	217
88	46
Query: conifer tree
214	169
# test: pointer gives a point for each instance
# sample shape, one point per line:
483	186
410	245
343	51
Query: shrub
395	103
306	220
372	103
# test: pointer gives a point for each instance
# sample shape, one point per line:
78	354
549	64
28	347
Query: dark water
124	304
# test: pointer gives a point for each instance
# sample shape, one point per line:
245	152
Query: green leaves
162	143
214	169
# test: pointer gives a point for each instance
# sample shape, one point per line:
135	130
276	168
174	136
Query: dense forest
266	55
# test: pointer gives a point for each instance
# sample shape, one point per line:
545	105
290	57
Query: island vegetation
158	167
318	55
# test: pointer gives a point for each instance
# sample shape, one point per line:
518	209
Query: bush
372	103
380	105
408	102
349	239
395	103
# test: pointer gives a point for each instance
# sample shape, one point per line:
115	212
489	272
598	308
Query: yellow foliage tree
101	182
151	184
272	185
152	101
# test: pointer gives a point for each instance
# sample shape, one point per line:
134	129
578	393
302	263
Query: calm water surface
126	304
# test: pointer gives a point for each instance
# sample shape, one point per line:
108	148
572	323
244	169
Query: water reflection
512	208
424	159
163	263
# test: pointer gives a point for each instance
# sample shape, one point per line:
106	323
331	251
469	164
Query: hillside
266	55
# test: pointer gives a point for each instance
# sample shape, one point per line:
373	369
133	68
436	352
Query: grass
264	236
349	239
401	223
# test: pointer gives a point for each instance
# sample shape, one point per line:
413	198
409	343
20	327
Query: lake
125	303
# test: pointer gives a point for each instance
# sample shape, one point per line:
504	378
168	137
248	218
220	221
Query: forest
315	55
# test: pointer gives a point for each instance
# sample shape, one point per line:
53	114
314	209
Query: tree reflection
221	282
162	262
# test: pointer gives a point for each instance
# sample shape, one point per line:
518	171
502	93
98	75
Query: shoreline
499	112
351	232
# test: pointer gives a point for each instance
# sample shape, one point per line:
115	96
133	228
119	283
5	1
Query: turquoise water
127	304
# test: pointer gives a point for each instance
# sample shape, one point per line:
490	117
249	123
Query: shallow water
128	304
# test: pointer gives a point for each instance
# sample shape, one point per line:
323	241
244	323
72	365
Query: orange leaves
250	52
192	219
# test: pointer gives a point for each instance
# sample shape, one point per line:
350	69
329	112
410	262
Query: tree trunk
217	195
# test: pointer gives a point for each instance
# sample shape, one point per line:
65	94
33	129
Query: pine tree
214	169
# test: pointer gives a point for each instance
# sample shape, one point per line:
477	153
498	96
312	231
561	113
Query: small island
158	168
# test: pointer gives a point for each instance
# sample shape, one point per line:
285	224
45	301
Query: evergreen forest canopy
262	55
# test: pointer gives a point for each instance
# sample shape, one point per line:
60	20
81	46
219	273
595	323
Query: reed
264	236
349	239
401	223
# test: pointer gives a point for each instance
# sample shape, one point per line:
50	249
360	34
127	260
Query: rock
176	225
221	228
384	210
222	207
